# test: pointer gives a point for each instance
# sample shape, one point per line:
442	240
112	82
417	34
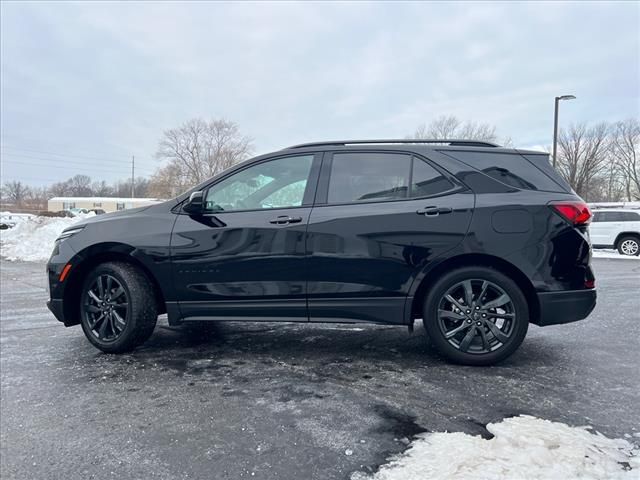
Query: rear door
244	258
379	218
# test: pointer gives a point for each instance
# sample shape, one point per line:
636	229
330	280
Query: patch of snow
522	447
610	253
32	239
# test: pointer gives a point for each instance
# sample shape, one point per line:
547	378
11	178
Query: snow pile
522	447
607	253
32	239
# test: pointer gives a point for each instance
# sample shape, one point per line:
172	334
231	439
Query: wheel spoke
500	315
100	287
120	305
119	291
497	302
95	322
103	328
94	297
468	292
118	318
483	292
449	315
466	341
499	334
485	341
92	308
455	331
455	302
109	284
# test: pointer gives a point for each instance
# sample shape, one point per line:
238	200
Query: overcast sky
93	83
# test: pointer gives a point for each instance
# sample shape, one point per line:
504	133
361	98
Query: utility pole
133	164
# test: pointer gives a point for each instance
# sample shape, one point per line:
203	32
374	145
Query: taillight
576	213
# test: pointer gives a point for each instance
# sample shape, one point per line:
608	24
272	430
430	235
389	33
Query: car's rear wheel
118	307
629	245
476	316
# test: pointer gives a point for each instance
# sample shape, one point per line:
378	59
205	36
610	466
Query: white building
108	204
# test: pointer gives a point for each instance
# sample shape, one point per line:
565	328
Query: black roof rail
450	142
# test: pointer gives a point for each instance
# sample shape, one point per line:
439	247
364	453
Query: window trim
307	198
322	193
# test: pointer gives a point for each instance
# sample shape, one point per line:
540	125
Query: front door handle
433	211
285	220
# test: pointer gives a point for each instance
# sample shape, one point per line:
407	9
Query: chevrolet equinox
476	240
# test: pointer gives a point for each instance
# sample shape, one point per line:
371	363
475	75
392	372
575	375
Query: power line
97	169
61	154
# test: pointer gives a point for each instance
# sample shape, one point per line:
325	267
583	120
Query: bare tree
583	156
168	182
625	149
199	149
102	189
449	126
15	192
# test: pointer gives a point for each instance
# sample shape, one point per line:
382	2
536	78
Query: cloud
110	77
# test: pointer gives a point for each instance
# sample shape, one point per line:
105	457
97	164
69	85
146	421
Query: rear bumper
566	306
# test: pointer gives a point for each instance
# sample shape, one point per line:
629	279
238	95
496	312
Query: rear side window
509	168
427	181
618	217
361	177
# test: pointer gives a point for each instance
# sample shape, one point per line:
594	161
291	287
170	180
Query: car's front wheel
629	245
118	307
476	316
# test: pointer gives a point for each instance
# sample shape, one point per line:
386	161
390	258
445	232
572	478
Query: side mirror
195	204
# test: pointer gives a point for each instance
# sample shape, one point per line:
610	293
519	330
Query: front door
379	218
244	258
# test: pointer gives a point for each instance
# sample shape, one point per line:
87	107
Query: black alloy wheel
476	316
106	308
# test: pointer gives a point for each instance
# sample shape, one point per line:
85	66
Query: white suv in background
616	228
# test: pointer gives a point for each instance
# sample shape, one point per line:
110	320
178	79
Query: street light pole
555	125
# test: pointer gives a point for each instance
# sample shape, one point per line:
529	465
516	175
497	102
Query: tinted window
598	217
619	217
426	180
361	177
509	168
630	216
274	184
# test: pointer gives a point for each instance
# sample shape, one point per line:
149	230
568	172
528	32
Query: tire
129	311
629	245
498	328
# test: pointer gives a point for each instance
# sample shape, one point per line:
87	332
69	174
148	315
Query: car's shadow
198	348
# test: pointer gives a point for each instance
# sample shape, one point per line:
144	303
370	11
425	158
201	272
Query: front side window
279	183
361	177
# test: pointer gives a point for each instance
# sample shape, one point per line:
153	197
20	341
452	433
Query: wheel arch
483	260
85	261
621	235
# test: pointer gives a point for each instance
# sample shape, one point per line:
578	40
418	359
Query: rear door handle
433	211
285	220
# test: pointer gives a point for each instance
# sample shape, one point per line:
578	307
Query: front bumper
566	306
55	305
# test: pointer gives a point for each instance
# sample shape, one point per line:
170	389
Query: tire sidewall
124	339
440	287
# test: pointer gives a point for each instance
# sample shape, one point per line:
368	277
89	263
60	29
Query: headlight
69	232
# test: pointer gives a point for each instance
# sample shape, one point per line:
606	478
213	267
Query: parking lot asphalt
288	401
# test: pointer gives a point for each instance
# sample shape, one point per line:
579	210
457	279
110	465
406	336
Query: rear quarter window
511	169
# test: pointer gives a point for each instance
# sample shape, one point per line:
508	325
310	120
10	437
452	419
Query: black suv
474	239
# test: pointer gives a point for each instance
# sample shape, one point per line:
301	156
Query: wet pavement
288	401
